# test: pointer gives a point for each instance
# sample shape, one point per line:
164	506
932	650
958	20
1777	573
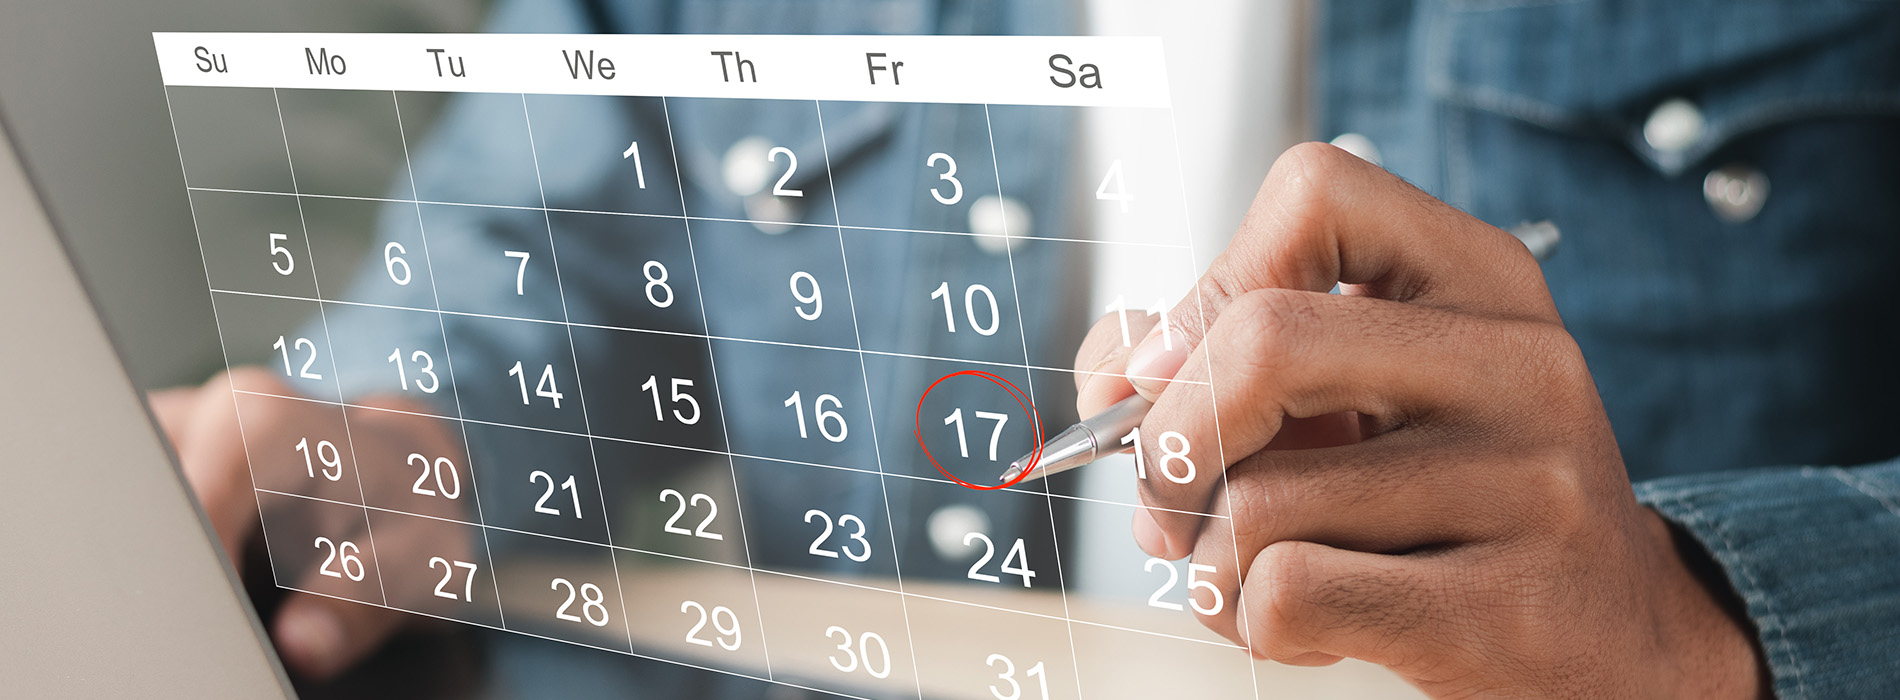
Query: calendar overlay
642	506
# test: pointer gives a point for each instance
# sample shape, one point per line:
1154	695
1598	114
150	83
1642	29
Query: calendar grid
448	357
708	234
329	346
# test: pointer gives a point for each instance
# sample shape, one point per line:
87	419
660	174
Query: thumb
1323	217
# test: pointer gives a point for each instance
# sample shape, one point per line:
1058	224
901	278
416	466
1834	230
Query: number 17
963	445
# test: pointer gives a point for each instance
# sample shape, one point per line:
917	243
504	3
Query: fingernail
1148	534
313	638
1154	362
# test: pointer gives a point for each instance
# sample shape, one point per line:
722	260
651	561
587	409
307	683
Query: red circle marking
1022	401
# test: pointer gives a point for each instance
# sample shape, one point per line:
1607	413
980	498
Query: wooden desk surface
957	628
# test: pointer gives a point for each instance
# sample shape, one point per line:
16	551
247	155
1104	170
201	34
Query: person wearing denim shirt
1703	185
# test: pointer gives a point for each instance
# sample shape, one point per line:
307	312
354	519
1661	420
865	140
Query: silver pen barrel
1092	439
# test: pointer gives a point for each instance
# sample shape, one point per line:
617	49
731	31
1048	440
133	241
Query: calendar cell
651	387
393	269
254	243
973	426
509	175
537	481
950	298
930	174
796	403
787	287
840	531
1169	593
533	384
368	161
437	567
673	502
862	648
316	461
610	153
282	335
430	476
958	657
559	589
396	353
984	545
758	161
221	133
320	547
500	262
1120	663
1137	185
703	613
1166	276
652	283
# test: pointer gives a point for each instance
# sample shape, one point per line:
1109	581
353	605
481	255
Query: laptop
113	584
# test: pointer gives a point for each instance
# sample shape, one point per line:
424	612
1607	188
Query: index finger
1324	217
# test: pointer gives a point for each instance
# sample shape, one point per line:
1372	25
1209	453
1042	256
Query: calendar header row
1027	70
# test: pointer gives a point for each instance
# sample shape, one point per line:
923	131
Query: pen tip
1015	470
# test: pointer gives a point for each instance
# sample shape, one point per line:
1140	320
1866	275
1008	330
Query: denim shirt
1731	349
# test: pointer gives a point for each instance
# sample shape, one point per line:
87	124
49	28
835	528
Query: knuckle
1277	592
1303	181
1272	330
1252	516
1553	360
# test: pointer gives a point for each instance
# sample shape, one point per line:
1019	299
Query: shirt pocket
1602	68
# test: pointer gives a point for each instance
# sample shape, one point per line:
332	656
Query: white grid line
732	465
1220	443
218	319
675	662
724	453
580	387
448	357
1065	617
682	334
329	344
755	222
731	456
870	409
1016	293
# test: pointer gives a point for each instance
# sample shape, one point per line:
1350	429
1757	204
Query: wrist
1703	628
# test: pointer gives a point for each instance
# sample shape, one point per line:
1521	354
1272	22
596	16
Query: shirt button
1359	145
746	166
1000	223
1736	192
949	525
1541	237
1674	126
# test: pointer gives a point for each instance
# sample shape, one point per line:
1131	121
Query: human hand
317	636
1419	471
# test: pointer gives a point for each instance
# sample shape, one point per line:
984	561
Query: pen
1084	442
